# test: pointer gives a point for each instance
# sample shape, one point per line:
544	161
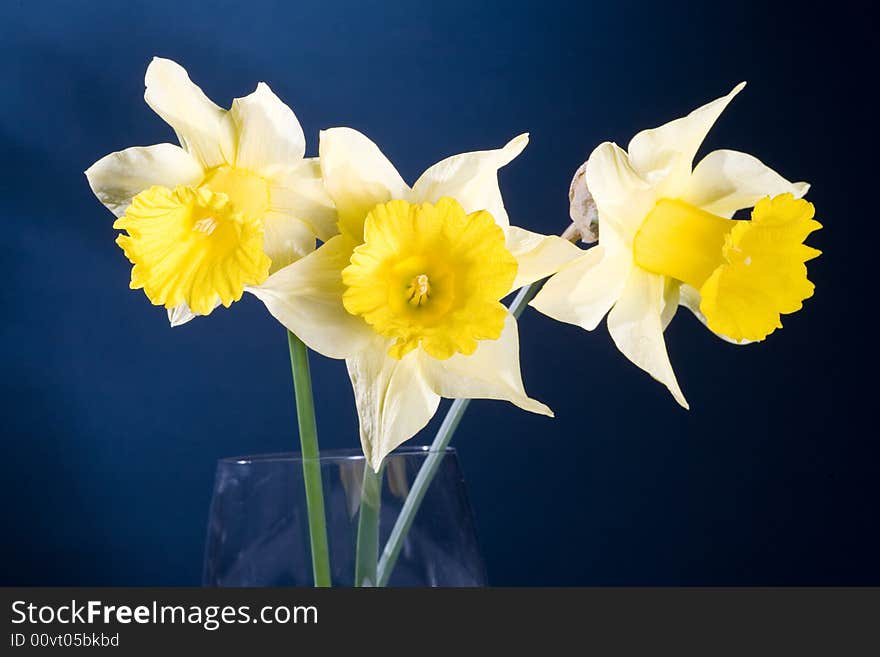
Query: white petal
180	315
267	132
286	239
201	126
356	173
117	178
299	192
636	327
690	298
471	179
491	372
538	255
306	297
726	181
584	291
664	155
393	400
622	196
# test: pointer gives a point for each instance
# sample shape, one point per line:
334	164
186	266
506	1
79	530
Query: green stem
435	455
308	436
367	555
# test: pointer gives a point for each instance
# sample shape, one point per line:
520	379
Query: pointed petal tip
336	132
675	389
513	148
801	189
600	148
92	170
534	406
679	397
264	89
157	62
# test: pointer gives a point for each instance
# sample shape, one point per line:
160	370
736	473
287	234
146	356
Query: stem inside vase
367	552
308	436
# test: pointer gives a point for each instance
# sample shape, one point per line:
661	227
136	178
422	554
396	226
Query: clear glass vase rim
327	455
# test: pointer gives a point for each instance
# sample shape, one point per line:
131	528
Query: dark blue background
111	421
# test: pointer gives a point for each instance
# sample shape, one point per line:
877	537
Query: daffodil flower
409	292
667	239
236	201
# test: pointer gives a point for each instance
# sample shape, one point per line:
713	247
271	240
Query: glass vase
258	530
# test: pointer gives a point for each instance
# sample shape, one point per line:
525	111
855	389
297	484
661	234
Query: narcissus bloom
233	203
667	239
409	292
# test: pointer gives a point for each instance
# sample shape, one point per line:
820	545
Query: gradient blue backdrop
112	422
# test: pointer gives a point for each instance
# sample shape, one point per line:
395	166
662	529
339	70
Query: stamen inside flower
419	290
191	246
430	276
747	272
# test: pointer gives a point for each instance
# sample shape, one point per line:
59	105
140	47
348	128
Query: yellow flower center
198	245
191	246
430	276
747	272
247	191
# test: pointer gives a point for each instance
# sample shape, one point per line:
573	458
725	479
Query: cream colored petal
306	297
393	399
664	155
286	239
671	301
636	327
491	372
201	126
298	191
117	178
690	298
345	147
357	175
471	179
268	134
584	291
538	255
726	181
622	196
